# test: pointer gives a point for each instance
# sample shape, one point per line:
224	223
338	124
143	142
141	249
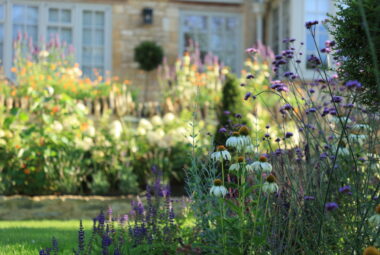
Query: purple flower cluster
147	225
331	206
279	86
310	24
353	84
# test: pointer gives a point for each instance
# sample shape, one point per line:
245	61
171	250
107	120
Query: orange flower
13	93
26	171
13	69
55	109
84	126
127	82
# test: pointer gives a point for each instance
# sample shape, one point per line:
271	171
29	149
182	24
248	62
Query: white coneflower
249	148
235	141
221	154
239	164
218	189
261	166
374	220
358	128
270	185
244	135
357	138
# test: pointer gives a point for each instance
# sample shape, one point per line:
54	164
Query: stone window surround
240	50
43	7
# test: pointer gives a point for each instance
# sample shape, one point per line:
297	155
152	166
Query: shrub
231	108
356	30
149	55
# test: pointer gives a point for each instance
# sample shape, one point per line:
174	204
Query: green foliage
356	30
231	104
149	55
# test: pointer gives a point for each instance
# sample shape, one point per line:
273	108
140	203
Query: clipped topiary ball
149	55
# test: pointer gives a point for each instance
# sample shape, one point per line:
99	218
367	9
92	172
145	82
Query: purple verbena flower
309	198
345	189
247	96
250	76
336	99
331	206
288	134
222	130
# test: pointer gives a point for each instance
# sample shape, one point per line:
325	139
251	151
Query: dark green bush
356	30
149	55
232	104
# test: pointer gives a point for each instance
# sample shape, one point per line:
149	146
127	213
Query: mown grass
28	237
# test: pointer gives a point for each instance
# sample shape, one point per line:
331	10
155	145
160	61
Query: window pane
52	32
231	24
99	19
98	56
18	14
67	35
99	37
217	23
32	32
53	15
216	42
196	23
87	18
32	15
87	36
18	31
66	16
87	52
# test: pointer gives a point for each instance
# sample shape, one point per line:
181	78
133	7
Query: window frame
43	24
239	50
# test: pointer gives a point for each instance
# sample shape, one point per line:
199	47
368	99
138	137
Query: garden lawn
28	237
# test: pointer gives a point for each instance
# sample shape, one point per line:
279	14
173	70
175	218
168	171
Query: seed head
271	179
218	182
371	251
220	148
263	159
377	209
244	130
240	159
235	134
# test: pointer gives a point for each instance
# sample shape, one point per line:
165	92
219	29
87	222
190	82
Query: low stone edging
60	207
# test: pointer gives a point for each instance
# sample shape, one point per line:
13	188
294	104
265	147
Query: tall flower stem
222	213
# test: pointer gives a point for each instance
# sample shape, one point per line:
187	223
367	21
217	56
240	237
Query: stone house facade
104	33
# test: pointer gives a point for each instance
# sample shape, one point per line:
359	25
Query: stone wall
66	207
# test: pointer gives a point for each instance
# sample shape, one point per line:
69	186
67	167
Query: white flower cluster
241	141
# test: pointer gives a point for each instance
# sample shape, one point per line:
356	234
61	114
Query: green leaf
24	116
14	111
8	122
232	206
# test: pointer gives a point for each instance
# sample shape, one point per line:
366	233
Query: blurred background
95	94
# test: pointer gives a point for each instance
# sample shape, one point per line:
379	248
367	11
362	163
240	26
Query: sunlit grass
28	237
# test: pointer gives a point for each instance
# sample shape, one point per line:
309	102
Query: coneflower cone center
271	179
218	182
